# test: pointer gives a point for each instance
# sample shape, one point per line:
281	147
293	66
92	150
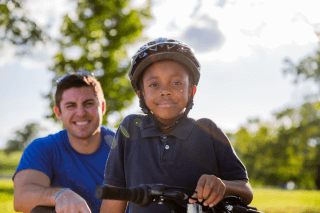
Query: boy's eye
153	85
177	83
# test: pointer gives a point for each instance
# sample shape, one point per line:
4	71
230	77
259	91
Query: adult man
63	169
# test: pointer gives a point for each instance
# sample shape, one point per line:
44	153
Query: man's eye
69	106
89	104
177	83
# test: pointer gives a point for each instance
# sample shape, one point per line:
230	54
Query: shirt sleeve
230	166
114	172
36	156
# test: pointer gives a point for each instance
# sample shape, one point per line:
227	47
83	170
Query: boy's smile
166	90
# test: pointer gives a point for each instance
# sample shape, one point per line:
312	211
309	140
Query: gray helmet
163	49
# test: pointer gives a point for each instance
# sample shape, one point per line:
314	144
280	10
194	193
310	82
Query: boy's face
166	90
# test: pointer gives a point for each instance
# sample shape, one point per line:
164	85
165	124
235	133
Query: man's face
80	112
166	90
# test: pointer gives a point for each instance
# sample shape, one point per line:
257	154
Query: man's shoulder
107	131
49	140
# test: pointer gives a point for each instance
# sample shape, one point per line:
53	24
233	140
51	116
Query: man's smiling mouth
81	123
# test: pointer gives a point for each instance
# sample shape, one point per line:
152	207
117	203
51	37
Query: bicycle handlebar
115	193
145	194
43	209
142	195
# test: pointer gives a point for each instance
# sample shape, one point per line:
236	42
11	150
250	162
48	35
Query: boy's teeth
82	123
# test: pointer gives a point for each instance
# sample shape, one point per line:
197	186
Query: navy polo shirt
143	154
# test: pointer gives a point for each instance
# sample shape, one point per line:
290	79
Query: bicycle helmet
159	50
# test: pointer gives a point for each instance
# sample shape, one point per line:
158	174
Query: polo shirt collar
149	128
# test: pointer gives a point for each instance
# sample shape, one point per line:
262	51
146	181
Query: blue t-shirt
82	173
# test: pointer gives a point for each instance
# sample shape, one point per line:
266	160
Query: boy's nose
165	92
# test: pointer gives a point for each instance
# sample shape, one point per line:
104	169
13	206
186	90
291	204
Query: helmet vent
169	47
142	55
155	48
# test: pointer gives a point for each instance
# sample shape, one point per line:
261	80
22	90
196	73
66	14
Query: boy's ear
193	90
138	94
57	112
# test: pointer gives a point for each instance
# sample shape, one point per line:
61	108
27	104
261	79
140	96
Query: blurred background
260	75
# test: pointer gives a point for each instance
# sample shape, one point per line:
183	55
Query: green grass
270	200
6	196
9	163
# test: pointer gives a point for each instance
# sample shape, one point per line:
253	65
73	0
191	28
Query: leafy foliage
100	33
308	68
17	29
285	150
94	38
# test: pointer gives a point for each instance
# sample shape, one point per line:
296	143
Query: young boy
165	146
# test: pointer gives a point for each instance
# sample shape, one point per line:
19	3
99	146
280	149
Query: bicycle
145	194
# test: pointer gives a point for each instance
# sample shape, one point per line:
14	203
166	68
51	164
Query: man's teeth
82	122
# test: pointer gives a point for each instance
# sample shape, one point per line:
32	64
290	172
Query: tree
22	138
302	139
285	150
99	33
17	29
307	69
307	127
255	145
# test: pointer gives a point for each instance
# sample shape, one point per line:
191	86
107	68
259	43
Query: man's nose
81	111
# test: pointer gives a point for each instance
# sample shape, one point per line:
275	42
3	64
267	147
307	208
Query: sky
240	45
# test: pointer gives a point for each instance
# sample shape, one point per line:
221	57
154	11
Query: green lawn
8	163
265	199
284	201
6	196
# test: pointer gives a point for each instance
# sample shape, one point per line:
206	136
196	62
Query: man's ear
57	112
103	107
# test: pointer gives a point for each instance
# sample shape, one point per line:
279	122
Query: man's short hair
78	81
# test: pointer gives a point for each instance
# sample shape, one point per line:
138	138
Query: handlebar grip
43	209
116	193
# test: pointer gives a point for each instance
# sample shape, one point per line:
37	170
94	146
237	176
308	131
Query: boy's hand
210	189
